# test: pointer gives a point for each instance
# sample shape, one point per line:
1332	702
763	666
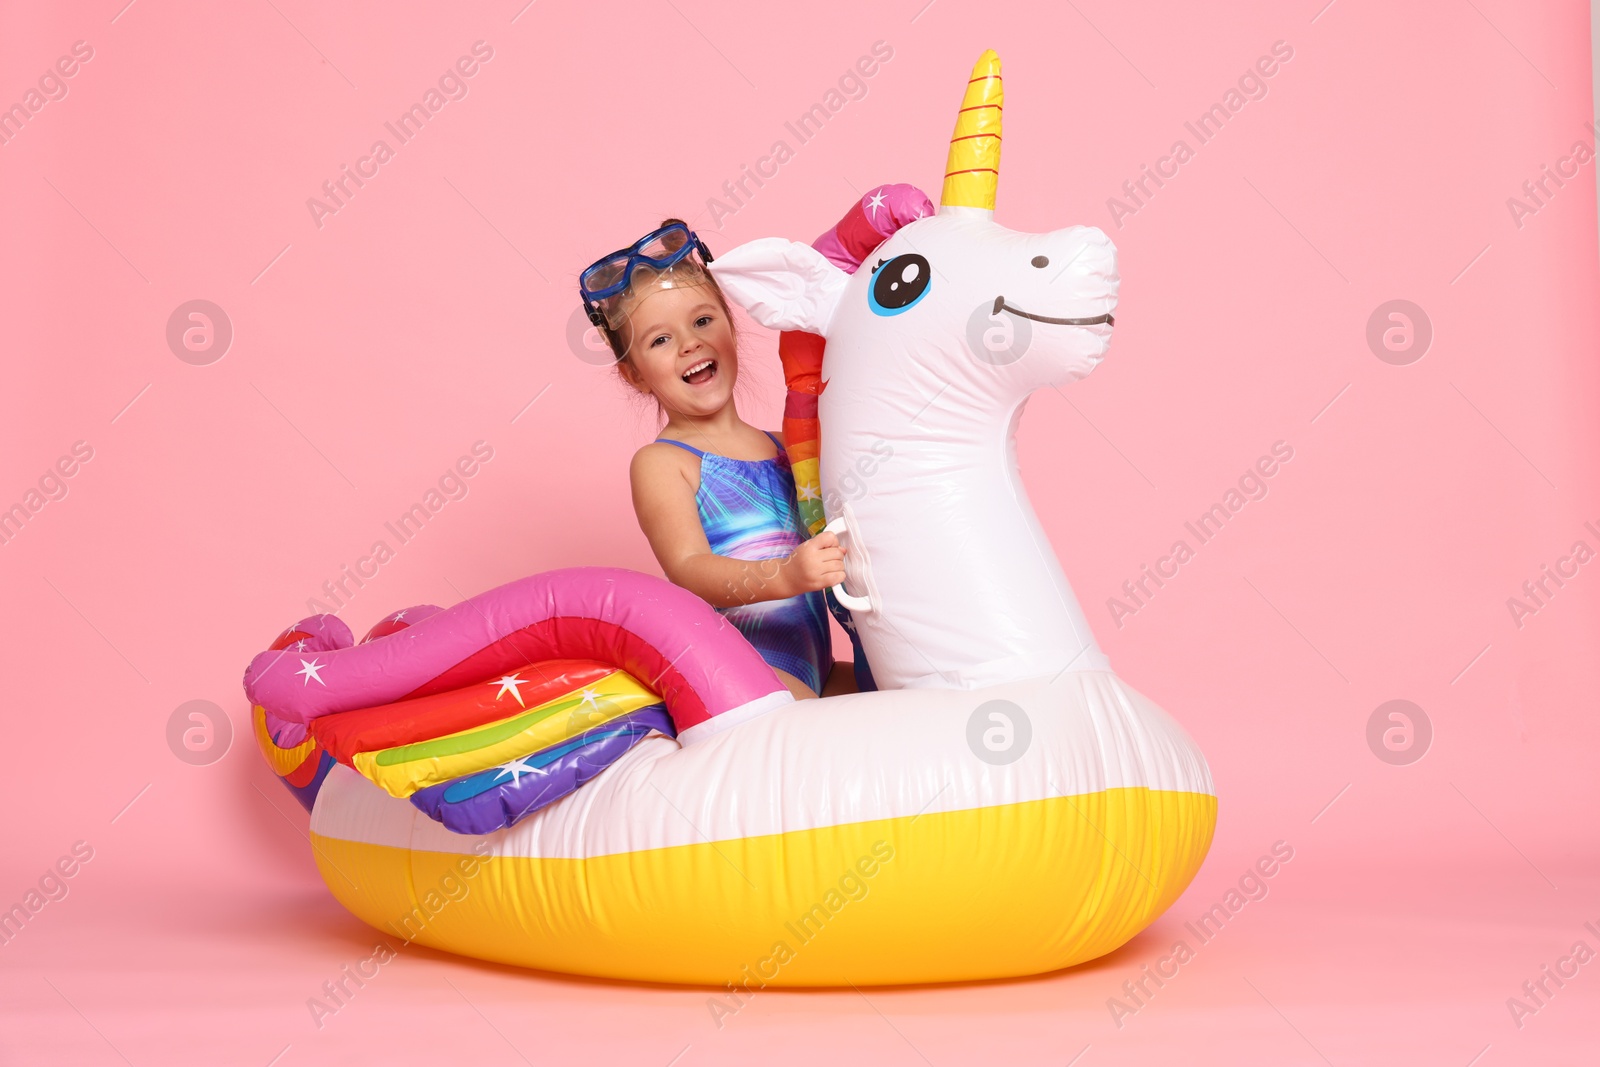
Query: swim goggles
660	250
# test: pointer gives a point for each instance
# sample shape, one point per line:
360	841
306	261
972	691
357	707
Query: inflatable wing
473	714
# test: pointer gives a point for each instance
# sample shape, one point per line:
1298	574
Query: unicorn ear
784	285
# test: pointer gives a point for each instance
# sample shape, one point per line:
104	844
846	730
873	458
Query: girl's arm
663	499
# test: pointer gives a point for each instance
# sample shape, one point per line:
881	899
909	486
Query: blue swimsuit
748	509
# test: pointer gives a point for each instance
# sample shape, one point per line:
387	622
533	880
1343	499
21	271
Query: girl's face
681	350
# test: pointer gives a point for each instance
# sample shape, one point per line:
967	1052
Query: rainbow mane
873	219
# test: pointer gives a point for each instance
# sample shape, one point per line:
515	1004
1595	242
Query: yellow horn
973	168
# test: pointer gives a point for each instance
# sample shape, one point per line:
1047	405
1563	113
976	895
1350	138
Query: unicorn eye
899	284
878	264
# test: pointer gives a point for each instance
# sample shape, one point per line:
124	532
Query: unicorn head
932	350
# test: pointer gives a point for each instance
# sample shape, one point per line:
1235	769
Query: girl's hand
816	564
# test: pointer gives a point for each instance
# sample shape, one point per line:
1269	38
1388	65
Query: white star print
516	769
510	681
808	491
590	697
397	616
299	646
309	671
874	203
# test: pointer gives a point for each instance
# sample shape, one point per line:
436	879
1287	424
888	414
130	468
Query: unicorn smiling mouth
1095	320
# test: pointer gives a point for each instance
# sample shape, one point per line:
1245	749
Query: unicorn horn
972	169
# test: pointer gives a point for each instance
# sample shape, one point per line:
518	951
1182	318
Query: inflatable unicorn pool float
1003	805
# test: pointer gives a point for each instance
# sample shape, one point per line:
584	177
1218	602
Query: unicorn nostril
1041	261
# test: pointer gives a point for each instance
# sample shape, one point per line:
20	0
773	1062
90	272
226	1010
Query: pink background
426	314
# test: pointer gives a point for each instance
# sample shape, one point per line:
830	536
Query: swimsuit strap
680	444
696	451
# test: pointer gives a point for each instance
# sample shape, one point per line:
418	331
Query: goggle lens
664	245
604	275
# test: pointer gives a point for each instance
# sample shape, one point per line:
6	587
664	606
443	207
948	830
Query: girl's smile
701	372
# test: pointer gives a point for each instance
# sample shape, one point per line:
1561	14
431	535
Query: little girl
715	496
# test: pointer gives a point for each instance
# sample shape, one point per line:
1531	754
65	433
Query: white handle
854	603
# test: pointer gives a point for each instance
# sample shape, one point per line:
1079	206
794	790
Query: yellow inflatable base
947	896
